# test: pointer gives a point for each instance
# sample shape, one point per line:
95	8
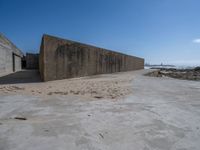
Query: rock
185	74
197	69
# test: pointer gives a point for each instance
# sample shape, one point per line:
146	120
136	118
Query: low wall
60	59
32	61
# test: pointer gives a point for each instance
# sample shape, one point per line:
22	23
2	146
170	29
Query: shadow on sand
24	76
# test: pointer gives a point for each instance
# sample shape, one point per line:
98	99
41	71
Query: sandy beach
114	86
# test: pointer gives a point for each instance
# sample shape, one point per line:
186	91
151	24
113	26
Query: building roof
7	44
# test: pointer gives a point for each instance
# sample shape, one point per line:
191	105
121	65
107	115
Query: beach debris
101	135
20	118
99	97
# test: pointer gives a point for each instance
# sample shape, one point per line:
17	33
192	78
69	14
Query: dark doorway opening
13	59
23	62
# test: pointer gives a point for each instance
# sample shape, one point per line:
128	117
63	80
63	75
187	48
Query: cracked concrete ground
159	114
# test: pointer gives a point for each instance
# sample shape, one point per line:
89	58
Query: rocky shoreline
185	74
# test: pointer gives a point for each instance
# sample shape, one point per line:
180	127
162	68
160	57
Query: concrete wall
32	61
5	60
60	59
17	63
10	56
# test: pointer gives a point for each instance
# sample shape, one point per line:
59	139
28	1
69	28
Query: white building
10	56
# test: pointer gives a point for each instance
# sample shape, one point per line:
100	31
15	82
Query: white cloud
196	41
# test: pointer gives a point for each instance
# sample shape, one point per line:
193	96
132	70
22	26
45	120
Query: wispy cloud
196	41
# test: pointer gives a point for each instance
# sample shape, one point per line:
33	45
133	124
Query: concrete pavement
160	114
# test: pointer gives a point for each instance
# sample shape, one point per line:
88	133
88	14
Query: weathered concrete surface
10	56
32	61
60	59
161	114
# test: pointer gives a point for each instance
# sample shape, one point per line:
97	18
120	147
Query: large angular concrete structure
10	56
60	59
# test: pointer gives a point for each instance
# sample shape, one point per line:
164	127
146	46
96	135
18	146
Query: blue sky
166	31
